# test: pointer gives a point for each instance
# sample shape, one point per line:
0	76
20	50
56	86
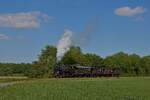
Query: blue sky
26	26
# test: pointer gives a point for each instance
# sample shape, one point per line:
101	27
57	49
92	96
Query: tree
47	59
92	60
128	64
73	56
135	64
145	63
119	60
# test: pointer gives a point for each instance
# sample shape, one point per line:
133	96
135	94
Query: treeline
129	64
12	69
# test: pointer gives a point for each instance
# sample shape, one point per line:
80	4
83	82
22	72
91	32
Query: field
133	88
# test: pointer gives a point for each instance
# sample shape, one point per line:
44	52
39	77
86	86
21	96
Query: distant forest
129	64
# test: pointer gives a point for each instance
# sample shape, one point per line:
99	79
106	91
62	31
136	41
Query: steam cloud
79	39
64	44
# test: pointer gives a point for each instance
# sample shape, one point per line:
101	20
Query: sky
27	26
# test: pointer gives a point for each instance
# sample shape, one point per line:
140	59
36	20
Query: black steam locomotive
62	71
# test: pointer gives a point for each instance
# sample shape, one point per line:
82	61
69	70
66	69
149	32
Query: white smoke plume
78	39
64	44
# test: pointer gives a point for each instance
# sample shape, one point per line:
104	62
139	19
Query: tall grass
79	89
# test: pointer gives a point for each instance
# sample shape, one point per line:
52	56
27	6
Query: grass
79	89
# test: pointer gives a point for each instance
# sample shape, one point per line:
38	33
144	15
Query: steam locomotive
66	71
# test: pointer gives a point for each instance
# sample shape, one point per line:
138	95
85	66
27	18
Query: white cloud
3	37
23	19
128	11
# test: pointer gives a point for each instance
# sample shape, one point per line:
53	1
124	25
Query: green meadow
137	88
